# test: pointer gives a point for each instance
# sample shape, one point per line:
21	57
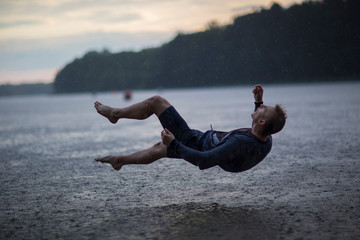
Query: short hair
277	121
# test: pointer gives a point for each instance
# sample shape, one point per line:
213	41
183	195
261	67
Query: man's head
271	119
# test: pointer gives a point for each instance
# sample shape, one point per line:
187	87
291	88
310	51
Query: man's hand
167	137
258	93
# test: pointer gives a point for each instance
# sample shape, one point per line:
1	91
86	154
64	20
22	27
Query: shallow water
48	145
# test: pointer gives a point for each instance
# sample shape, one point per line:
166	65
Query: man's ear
262	122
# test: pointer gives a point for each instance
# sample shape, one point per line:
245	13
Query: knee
158	104
160	148
157	100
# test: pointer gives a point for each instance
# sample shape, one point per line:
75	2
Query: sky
39	37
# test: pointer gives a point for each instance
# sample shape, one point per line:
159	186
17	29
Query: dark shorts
171	120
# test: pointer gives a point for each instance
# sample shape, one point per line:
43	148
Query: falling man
234	151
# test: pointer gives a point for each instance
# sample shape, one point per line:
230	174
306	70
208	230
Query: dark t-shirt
236	152
233	151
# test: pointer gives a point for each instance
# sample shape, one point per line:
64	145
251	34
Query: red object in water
127	95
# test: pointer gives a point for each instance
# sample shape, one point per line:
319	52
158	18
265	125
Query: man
233	151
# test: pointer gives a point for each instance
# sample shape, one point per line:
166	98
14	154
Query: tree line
312	41
26	89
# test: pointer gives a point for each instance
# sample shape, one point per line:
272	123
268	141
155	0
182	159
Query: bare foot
106	111
115	162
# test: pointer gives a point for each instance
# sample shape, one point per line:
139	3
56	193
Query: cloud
30	76
18	23
246	8
37	60
26	54
106	16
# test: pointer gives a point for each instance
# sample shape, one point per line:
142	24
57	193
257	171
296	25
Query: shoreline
46	89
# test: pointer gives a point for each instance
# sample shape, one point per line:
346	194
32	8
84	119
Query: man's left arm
226	152
230	151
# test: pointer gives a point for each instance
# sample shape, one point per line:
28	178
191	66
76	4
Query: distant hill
26	89
316	40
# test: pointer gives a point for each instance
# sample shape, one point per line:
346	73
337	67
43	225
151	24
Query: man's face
263	113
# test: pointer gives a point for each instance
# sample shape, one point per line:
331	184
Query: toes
97	104
107	159
101	160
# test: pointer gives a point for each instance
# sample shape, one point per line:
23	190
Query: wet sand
300	199
307	188
187	221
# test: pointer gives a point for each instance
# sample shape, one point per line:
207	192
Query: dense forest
312	41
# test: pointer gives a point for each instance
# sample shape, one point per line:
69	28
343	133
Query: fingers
166	137
163	135
165	132
257	89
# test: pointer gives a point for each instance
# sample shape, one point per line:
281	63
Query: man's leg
140	111
146	156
